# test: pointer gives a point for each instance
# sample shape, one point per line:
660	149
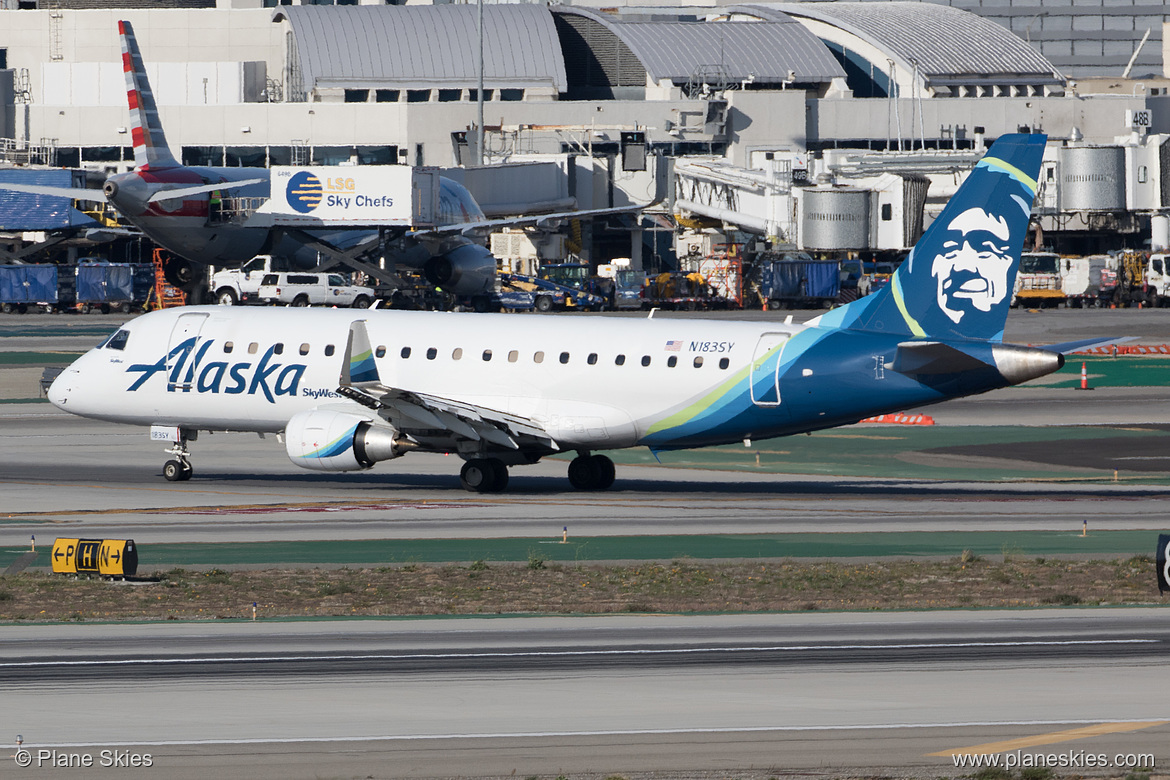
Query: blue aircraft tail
958	280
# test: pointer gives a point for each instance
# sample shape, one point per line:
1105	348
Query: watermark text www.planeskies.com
1068	759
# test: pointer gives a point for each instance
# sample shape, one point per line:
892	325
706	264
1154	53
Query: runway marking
558	734
1053	738
563	653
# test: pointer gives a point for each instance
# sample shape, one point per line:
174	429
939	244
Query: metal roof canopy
950	45
679	50
408	47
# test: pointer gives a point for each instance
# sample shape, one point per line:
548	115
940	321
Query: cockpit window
118	340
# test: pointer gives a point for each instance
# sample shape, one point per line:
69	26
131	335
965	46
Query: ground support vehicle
582	289
242	285
107	287
313	289
682	292
27	286
549	295
795	280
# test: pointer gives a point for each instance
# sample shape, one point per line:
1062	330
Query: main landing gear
484	475
591	472
179	468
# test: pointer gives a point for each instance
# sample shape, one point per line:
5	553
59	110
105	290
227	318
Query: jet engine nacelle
466	270
324	440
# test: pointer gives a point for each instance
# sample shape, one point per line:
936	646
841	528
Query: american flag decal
673	346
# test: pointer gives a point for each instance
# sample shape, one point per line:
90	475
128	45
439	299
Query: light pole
479	92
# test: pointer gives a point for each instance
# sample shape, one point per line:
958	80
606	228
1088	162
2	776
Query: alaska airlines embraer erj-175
171	204
348	389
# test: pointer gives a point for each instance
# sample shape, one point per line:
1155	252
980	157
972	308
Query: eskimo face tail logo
304	192
958	280
972	269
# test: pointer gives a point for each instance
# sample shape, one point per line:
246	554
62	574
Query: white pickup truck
313	289
242	285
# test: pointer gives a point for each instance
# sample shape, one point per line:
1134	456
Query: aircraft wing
541	220
422	415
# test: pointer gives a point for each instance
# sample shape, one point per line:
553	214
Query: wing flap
426	414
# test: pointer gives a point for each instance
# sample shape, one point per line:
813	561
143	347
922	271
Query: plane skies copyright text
45	758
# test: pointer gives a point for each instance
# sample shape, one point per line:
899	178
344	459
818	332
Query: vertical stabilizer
150	145
959	278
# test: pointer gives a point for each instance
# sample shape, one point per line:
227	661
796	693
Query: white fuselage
599	382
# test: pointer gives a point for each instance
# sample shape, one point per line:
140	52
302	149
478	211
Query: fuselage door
181	350
765	367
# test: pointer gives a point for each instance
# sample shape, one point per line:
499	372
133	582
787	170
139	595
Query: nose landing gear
179	468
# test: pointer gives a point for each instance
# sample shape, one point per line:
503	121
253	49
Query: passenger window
380	351
457	353
228	347
328	350
513	356
645	360
564	357
672	361
278	349
118	340
252	348
304	349
405	352
592	359
538	357
487	355
699	362
432	353
724	362
620	360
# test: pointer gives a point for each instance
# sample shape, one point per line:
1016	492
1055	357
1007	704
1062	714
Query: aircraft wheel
543	303
499	475
483	475
605	472
583	473
179	272
177	471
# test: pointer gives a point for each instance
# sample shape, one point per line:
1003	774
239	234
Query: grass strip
541	587
859	545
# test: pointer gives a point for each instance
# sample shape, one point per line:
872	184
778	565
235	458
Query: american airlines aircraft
171	204
346	389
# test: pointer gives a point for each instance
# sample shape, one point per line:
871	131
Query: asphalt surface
832	693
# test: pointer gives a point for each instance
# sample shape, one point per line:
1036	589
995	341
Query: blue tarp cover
28	283
814	279
99	283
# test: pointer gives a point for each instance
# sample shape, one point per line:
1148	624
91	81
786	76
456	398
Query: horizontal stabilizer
73	193
1065	347
933	357
186	192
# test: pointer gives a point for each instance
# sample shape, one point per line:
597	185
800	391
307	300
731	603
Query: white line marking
565	653
561	734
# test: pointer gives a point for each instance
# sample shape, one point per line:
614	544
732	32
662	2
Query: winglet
358	366
150	145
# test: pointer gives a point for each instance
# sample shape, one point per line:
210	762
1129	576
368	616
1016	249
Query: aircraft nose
60	390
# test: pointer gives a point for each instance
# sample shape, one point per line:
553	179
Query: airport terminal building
765	116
